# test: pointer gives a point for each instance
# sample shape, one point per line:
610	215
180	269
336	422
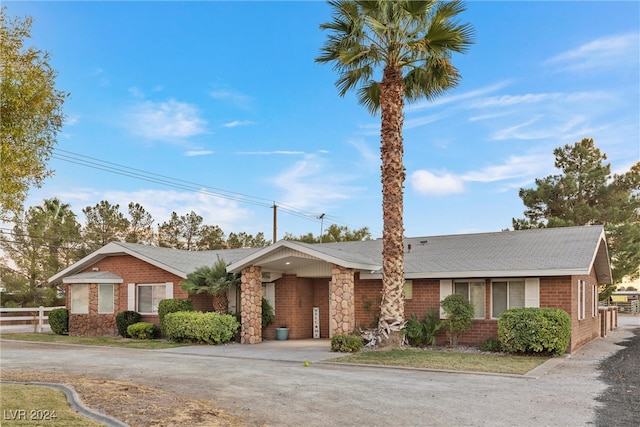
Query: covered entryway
308	276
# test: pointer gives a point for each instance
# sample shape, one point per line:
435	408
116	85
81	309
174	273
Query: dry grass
136	405
24	405
448	360
103	341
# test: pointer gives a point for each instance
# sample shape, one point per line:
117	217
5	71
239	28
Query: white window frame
101	296
407	289
582	303
509	281
269	293
469	282
75	290
594	301
153	286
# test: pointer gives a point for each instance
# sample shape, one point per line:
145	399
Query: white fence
37	316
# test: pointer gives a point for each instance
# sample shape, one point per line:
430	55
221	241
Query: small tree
459	316
213	281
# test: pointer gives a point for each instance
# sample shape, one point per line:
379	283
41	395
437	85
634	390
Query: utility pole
275	221
321	218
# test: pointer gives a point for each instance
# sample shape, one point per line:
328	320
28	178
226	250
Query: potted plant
282	333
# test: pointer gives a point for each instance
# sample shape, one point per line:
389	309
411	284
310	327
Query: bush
459	316
423	332
142	331
491	344
174	305
198	327
267	313
534	330
59	321
346	343
125	319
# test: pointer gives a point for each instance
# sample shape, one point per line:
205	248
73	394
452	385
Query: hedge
346	343
124	319
142	331
173	305
59	321
534	330
198	327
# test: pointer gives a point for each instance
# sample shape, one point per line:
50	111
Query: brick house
339	284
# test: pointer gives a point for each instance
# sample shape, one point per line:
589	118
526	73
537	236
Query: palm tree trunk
392	305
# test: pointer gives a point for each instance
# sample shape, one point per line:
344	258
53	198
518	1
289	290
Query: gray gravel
563	392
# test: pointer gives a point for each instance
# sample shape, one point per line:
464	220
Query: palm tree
410	43
214	281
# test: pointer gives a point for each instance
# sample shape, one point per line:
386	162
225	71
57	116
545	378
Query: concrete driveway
286	393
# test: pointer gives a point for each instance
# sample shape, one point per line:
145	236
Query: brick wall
134	270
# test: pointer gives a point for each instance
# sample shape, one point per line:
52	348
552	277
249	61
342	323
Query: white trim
169	290
113	302
131	297
446	289
532	292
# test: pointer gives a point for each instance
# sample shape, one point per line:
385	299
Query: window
581	299
105	298
473	292
80	299
149	297
507	294
407	290
594	301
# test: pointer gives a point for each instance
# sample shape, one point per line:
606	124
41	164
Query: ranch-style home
318	290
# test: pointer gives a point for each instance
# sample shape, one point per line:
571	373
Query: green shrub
346	343
142	331
198	327
59	321
534	330
491	344
174	305
423	332
267	313
459	316
124	319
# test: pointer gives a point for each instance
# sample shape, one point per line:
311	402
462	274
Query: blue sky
226	96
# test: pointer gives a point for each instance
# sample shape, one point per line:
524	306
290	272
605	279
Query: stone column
342	317
251	305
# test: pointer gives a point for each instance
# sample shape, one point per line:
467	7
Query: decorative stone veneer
342	309
94	324
251	305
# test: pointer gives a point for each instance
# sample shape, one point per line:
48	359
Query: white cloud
136	92
268	153
237	123
215	210
430	184
236	98
169	120
310	184
516	170
193	153
455	98
369	155
600	54
515	167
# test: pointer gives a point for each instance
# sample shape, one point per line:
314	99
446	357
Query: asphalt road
277	393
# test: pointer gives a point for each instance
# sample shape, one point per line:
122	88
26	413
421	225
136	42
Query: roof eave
254	258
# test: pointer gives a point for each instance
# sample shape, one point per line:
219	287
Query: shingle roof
542	252
566	250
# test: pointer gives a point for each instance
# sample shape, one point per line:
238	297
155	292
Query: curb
75	403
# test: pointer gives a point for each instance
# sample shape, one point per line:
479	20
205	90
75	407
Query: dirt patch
621	400
136	405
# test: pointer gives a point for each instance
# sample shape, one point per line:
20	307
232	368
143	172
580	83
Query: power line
168	181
